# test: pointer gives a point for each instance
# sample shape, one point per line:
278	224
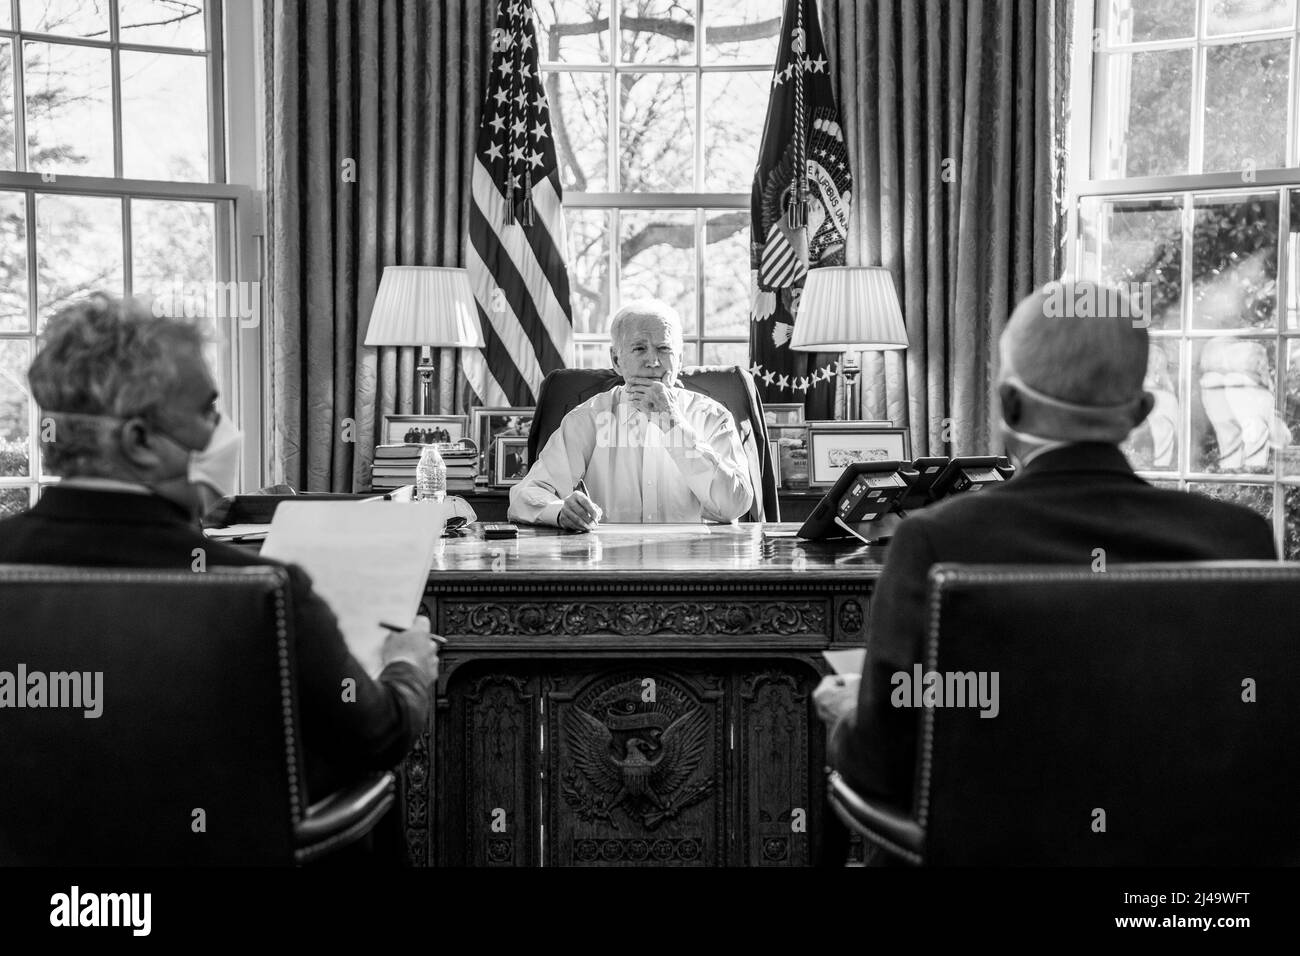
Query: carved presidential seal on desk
635	754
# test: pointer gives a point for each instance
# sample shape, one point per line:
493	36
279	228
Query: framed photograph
834	445
511	461
791	414
789	454
424	429
487	424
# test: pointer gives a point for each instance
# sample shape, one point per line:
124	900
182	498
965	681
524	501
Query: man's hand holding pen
579	512
416	645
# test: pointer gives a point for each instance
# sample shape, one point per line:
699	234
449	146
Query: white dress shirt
637	471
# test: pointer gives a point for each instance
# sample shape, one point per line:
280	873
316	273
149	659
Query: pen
394	628
582	486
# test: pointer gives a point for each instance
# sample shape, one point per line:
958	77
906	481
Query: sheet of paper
249	532
846	662
675	530
369	562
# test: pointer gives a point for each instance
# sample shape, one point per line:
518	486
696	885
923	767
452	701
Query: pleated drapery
955	116
372	106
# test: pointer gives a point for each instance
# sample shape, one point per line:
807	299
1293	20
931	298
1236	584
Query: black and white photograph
564	435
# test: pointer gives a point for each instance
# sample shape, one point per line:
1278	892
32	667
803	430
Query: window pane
15	429
1257	498
8	131
1153	445
1245	105
726	273
162	23
13	262
656	132
1234	262
588	261
1291	537
573	31
1293	265
164	117
657	31
76	18
1243	16
4	17
68	92
1233	406
1141	20
173	258
744	31
735	108
1288	437
78	249
592	354
1149	96
726	353
13	501
580	122
1138	242
657	260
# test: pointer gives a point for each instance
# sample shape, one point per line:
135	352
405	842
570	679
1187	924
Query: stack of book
394	465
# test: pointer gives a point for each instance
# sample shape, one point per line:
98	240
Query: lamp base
425	399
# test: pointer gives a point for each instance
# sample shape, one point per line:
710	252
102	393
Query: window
1187	192
658	126
114	176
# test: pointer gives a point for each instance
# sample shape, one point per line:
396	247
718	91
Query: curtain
371	106
955	118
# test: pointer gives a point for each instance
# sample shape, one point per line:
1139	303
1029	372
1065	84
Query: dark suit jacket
341	740
1062	506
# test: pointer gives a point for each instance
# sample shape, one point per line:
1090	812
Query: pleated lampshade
849	309
424	305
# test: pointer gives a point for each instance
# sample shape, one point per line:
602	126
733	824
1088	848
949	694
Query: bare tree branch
673	29
682	235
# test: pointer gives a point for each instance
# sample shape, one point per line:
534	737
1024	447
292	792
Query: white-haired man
645	451
1070	389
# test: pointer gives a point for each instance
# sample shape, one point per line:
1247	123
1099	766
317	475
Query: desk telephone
868	492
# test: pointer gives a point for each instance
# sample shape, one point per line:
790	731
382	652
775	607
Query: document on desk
369	562
846	662
650	529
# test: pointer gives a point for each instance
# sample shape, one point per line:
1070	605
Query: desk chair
199	713
1120	692
729	385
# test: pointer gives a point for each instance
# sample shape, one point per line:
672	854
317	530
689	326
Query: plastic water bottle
431	475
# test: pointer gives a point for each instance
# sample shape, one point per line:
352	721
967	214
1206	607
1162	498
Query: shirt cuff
550	514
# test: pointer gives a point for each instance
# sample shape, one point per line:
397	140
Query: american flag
516	226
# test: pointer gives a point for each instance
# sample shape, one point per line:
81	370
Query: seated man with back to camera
644	451
1070	390
142	450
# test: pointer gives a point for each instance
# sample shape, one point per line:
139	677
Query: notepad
369	562
846	662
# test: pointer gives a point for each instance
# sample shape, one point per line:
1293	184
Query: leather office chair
1120	693
198	722
729	385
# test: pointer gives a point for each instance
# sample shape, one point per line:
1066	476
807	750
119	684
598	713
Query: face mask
217	465
1099	423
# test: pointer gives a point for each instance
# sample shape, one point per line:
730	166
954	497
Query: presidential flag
516	226
800	213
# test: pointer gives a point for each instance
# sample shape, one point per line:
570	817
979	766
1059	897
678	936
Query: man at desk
645	451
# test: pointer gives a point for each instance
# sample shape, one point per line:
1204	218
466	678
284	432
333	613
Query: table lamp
429	306
849	309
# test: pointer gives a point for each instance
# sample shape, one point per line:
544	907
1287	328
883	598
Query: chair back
177	739
1145	715
729	385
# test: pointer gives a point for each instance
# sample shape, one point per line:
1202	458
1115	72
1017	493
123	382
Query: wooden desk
637	695
490	504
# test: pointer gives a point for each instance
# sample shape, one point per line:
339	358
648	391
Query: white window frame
1087	114
702	204
235	166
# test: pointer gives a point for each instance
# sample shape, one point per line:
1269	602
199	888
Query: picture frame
789	445
790	413
431	429
487	423
510	461
832	446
